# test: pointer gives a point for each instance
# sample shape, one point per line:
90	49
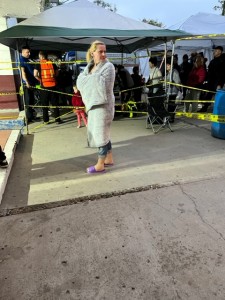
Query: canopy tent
207	32
202	24
73	26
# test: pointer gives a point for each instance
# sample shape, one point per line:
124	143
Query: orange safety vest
47	73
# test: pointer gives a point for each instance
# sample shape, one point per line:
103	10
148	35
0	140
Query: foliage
221	7
50	3
105	5
153	22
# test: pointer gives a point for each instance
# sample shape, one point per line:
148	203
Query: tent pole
21	85
171	70
165	83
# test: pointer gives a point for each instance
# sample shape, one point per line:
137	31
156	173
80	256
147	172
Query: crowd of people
55	82
93	94
191	78
192	74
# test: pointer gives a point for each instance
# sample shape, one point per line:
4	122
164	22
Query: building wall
20	8
9	98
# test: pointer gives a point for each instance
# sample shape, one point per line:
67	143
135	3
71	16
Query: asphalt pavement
151	227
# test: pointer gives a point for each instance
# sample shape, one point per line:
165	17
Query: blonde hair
92	49
199	61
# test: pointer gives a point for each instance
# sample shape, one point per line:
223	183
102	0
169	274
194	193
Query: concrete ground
152	227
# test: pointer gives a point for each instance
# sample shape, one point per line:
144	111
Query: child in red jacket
79	107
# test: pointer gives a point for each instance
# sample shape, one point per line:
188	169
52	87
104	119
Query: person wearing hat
215	76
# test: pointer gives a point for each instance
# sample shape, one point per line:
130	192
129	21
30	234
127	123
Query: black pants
172	107
48	97
205	105
125	97
64	98
29	100
137	95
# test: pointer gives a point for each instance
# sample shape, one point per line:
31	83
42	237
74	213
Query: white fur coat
97	93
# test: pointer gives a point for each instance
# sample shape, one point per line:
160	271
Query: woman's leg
109	156
103	153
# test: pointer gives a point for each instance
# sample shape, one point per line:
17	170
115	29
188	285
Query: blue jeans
102	151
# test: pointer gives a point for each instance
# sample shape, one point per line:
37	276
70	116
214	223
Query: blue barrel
218	129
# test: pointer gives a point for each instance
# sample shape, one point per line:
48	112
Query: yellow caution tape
203	116
8	93
8	117
186	86
202	36
9	68
51	121
198	101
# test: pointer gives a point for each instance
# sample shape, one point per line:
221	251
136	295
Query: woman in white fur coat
96	84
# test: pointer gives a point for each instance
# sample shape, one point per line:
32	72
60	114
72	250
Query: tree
221	6
153	22
52	3
105	5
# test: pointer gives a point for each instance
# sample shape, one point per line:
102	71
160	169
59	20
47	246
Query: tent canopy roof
202	24
73	26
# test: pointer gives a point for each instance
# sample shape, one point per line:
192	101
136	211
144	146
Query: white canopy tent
202	24
208	31
74	25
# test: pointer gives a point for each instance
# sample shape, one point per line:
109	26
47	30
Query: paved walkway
152	227
52	160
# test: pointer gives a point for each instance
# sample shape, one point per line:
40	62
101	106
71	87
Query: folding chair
158	116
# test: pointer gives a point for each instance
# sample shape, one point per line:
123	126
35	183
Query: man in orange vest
46	73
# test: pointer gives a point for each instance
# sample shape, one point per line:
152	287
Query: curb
9	149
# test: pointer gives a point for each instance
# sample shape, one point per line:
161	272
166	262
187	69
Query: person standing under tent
126	83
185	69
154	77
172	76
138	84
29	83
96	84
79	109
215	76
46	73
195	79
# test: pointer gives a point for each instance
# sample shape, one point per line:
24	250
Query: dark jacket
216	72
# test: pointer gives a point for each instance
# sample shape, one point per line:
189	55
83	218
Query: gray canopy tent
73	26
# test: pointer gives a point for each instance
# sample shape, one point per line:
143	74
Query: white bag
179	97
145	90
